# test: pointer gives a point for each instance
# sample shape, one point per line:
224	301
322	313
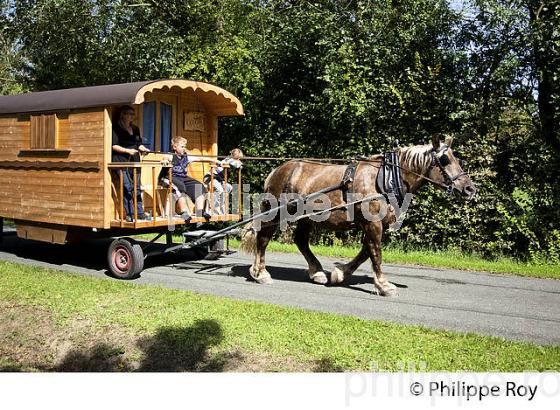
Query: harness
389	178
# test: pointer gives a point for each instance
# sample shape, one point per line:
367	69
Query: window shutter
44	130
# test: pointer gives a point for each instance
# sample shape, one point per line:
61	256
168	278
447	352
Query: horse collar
389	177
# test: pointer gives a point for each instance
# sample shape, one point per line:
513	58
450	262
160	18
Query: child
234	161
183	183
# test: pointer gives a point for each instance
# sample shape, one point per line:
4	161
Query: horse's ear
435	141
449	141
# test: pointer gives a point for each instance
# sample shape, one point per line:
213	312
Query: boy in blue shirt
184	184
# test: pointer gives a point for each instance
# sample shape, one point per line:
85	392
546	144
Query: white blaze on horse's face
450	172
462	186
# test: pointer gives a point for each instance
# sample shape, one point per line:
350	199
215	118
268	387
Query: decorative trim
51	165
229	104
51	153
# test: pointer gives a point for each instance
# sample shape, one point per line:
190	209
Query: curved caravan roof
215	99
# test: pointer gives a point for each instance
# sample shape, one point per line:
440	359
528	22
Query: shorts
186	185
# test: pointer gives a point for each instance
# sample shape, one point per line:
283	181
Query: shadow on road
300	275
90	254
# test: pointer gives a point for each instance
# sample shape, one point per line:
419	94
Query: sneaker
206	216
186	217
143	217
128	218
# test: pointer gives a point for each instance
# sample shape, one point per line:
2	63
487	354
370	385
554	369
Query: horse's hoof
389	292
253	272
337	276
389	285
262	277
320	278
265	280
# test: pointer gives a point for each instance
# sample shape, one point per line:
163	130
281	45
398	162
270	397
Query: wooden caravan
57	179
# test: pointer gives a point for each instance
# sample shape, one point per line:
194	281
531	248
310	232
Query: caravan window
158	123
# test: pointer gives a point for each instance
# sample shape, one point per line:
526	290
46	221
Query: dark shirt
180	164
124	139
178	167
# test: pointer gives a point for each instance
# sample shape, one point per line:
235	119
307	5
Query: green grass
339	342
441	259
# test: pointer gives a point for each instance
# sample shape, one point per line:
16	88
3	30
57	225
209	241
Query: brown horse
421	163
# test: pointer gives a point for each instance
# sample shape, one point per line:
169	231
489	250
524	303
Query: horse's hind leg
343	270
258	268
372	240
301	238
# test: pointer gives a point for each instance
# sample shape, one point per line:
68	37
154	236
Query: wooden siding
198	142
55	196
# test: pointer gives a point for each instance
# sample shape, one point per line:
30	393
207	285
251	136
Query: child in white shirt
233	161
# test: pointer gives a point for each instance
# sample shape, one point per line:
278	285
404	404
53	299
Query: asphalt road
507	306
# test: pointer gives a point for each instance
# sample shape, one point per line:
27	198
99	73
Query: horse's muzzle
468	192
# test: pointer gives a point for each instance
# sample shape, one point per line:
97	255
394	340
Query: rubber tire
132	257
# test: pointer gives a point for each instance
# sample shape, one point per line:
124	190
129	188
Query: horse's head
446	169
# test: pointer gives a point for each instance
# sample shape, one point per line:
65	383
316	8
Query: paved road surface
507	306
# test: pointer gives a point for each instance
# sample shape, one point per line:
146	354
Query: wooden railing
137	167
225	198
158	218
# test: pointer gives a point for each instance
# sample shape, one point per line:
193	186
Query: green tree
545	40
71	43
10	56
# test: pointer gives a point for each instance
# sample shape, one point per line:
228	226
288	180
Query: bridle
441	162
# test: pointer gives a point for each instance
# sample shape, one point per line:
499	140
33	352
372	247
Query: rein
448	186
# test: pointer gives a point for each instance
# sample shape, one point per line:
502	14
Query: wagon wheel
125	258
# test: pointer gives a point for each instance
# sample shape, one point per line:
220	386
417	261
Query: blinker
444	160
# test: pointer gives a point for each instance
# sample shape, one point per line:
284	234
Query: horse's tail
248	240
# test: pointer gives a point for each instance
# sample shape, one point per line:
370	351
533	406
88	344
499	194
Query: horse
434	162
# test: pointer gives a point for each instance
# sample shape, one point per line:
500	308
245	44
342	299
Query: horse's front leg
373	232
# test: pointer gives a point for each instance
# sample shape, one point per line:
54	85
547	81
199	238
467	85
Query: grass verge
441	259
189	331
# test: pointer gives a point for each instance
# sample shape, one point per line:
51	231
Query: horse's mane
416	157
